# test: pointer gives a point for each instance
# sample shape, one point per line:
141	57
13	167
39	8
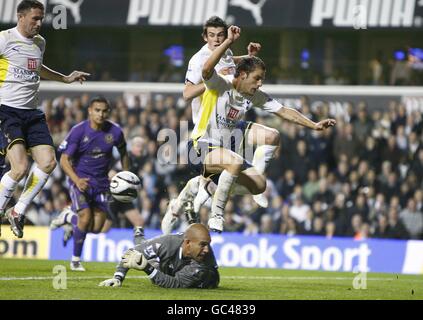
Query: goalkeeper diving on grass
183	260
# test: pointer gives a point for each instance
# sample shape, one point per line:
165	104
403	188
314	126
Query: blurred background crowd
362	179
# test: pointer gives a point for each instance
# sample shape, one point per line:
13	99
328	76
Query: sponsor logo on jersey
233	113
32	64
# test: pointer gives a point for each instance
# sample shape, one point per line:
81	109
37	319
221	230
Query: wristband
149	269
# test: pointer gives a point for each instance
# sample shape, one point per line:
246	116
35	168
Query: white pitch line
222	277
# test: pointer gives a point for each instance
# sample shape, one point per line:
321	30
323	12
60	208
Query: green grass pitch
33	279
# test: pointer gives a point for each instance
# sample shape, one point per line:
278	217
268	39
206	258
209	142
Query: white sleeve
264	101
194	71
2	42
218	82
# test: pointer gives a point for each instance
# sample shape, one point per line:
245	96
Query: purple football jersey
91	151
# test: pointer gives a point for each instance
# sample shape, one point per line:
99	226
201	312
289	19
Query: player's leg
3	170
229	164
67	219
100	218
18	167
175	206
267	141
45	162
196	156
206	189
38	139
101	212
14	143
66	216
85	219
135	218
250	179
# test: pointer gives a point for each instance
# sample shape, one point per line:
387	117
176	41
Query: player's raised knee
272	137
260	185
19	170
48	166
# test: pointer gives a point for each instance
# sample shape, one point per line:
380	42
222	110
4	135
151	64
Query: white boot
216	223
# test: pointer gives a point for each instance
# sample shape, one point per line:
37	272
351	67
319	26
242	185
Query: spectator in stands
299	209
396	228
417	165
345	141
318	226
301	162
363	124
311	187
400	73
355	226
418	197
306	226
330	230
382	227
412	219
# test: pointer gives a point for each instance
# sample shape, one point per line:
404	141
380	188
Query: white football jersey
222	107
20	66
195	67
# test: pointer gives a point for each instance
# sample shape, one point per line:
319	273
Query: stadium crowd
362	179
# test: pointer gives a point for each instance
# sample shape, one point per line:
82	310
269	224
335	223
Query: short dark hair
215	22
249	64
100	99
26	5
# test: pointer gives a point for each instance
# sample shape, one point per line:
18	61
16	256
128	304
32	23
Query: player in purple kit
86	159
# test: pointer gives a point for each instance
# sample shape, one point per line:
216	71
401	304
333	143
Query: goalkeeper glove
133	259
114	282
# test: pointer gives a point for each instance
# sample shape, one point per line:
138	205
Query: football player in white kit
23	125
198	189
215	143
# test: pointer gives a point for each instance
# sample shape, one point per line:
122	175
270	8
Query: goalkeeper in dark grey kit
183	260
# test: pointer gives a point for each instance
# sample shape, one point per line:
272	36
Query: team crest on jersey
81	199
233	113
32	64
108	138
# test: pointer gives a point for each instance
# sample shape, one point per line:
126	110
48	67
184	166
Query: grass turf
33	279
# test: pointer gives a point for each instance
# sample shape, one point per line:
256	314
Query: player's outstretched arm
234	33
294	116
192	91
49	74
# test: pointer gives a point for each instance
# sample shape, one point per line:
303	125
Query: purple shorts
91	198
